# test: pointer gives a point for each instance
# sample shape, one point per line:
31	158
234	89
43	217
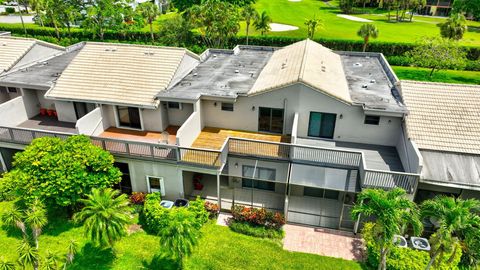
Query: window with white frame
156	184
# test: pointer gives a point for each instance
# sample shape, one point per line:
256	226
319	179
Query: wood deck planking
138	135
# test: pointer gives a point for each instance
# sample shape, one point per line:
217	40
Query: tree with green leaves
437	54
72	250
392	212
28	255
454	27
6	265
149	12
346	6
262	23
36	217
180	235
21	17
104	14
39	7
249	14
59	172
469	7
105	216
217	22
176	31
455	219
366	32
312	25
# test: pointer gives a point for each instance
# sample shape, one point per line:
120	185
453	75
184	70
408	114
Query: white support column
219	200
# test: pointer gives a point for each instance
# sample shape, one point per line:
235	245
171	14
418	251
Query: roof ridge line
302	64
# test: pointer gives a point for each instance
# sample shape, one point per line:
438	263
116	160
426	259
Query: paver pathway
324	242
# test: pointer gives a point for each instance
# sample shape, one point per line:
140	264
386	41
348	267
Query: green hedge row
142	36
404	61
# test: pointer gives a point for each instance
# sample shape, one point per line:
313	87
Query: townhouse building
300	129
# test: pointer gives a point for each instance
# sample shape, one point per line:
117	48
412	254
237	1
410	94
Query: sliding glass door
322	125
129	117
270	120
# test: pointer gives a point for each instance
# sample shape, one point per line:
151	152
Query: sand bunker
278	27
353	18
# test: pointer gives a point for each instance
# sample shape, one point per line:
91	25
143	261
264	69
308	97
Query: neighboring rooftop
121	74
42	74
224	73
304	62
13	49
371	82
443	117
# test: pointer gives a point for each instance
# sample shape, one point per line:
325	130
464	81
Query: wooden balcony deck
141	136
214	138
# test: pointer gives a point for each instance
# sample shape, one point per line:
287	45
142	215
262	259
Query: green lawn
447	76
219	248
295	13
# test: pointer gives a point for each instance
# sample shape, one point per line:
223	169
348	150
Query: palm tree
366	31
262	23
149	12
51	261
28	255
312	25
105	216
392	212
454	218
181	234
15	217
454	27
72	249
250	14
38	7
6	265
21	17
36	217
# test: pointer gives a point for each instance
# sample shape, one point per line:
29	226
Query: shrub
403	258
10	10
212	209
137	198
256	231
155	217
258	216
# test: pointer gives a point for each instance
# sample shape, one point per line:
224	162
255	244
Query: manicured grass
295	13
447	76
219	248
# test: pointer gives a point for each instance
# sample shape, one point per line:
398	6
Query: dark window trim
229	106
174	105
319	136
129	125
12	90
372	120
270	120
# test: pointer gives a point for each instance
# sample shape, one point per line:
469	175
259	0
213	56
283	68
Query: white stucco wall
191	128
65	111
409	154
176	117
171	174
303	100
91	124
152	120
108	116
13	112
32	104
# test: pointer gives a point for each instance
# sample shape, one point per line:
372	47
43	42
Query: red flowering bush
137	197
212	209
258	217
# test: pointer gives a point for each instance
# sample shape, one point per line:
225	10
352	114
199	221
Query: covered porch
166	137
48	123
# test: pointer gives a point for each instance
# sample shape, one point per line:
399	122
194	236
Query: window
129	117
156	184
371	120
321	193
227	107
12	90
270	120
125	186
174	105
322	125
260	173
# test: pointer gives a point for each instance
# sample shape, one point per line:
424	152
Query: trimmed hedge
256	231
405	61
143	36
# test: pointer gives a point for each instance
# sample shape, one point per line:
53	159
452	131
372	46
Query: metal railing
215	159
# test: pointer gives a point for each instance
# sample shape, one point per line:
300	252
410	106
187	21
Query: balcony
166	137
48	123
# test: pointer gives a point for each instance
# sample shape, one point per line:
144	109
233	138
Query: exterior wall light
253	108
236	164
341	116
215	104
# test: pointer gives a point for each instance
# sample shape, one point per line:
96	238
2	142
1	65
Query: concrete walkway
324	242
16	19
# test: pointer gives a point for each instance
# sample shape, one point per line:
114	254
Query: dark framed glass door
322	125
125	186
80	109
270	120
129	117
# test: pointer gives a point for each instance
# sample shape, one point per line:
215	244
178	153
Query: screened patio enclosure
322	196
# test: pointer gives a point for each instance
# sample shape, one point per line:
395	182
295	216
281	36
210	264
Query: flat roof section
40	75
224	73
369	83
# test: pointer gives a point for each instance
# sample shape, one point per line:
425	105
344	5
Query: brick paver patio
324	242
